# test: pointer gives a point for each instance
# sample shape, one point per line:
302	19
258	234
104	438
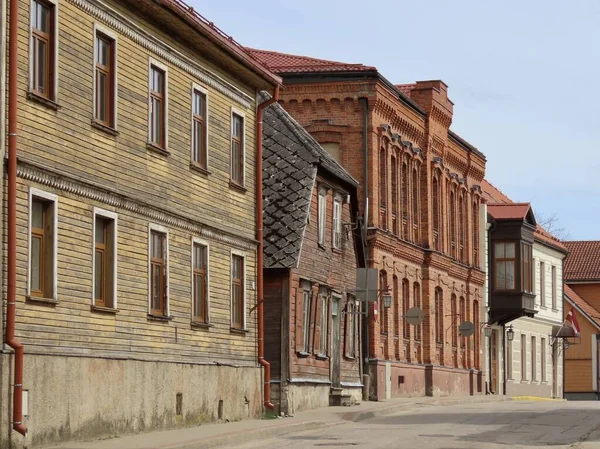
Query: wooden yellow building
136	203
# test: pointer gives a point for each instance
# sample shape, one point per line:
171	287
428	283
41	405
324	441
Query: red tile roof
494	196
406	89
588	311
214	33
514	211
583	261
286	63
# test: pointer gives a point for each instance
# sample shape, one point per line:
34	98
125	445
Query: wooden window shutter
318	325
347	331
298	293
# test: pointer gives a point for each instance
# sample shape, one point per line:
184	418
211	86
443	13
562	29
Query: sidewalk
210	436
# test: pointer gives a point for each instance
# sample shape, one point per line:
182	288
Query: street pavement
512	424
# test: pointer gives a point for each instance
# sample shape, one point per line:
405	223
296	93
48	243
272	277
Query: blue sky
524	77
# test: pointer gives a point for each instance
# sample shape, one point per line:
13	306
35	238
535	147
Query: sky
524	77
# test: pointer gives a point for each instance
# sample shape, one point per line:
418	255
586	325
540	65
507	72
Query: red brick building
419	185
312	318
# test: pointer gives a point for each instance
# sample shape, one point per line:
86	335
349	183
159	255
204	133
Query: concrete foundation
78	398
543	390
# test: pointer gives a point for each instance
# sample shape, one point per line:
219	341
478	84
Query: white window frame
543	359
554	286
158	228
56	32
204	91
321	216
337	222
165	69
199	241
524	357
115	217
33	192
533	358
112	35
306	289
243	255
242	114
542	284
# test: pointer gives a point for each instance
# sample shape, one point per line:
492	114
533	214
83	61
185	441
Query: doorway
494	362
335	342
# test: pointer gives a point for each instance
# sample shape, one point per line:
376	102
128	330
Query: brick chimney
432	96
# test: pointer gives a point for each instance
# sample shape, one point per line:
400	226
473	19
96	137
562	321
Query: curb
535	398
237	438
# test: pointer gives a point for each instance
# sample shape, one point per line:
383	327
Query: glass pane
499	250
157	242
100	230
41	66
500	275
37	214
197	140
510	250
235	304
101	89
510	275
198	293
36	261
156	287
237	125
157	80
99	269
103	52
41	16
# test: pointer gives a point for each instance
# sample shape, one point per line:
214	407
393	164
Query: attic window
333	148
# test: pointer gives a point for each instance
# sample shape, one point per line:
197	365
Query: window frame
52	74
306	313
155	228
196	88
542	284
543	359
105	214
526	262
523	357
112	114
496	260
195	318
554	286
533	350
242	115
321	216
352	326
47	197
336	228
164	145
242	255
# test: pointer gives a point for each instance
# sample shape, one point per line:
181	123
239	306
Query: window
436	213
306	307
415	204
352	326
158	106
542	284
452	225
533	359
200	281
337	223
394	195
105	259
237	148
324	319
462	318
158	272
43	48
105	80
237	292
533	280
42	245
504	266
543	358
383	286
383	187
405	307
417	300
523	357
322	216
199	127
553	287
454	315
439	316
475	219
397	318
405	191
527	270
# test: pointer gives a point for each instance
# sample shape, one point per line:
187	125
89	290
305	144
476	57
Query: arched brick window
477	331
436	213
452	226
405	194
475	219
417	303
439	316
461	227
383	312
415	204
383	188
394	183
396	306
405	306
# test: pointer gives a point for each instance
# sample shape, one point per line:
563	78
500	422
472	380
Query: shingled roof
291	159
583	261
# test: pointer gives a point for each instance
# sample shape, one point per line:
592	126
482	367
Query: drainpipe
365	108
12	221
259	255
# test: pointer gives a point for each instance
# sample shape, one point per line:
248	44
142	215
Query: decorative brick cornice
104	195
115	20
441	116
405	128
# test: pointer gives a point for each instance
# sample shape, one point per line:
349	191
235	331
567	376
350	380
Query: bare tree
551	223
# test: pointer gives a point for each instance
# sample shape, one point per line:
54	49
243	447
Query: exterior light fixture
510	334
387	299
566	344
487	330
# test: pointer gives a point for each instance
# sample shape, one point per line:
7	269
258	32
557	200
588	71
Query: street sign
367	280
415	316
466	329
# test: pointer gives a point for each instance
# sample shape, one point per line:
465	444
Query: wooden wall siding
72	328
589	292
329	268
578	376
578	358
65	140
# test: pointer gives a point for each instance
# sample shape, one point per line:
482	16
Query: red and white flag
571	320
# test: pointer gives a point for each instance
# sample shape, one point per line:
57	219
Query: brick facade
409	242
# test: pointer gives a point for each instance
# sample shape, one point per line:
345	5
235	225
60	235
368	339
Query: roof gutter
11	340
259	255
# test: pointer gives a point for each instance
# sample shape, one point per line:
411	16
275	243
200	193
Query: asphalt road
510	424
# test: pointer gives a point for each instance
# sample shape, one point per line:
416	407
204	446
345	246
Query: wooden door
335	342
494	364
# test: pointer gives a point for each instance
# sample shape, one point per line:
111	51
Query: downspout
365	108
12	221
505	358
259	255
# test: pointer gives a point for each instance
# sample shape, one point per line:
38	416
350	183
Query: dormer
511	267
